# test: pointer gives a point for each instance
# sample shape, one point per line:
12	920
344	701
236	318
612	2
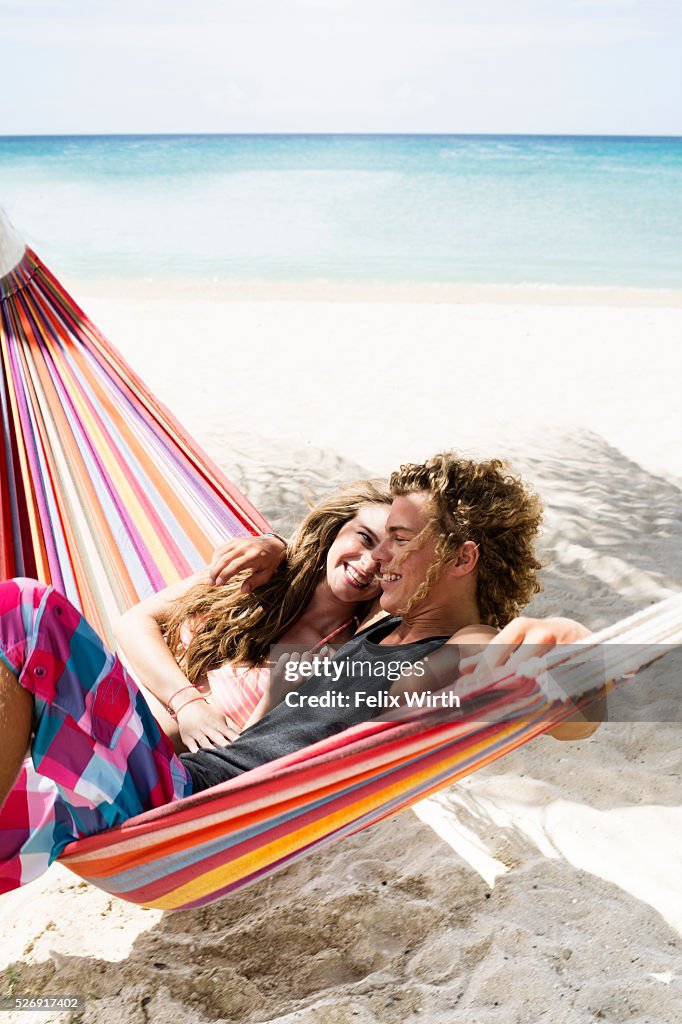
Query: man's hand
203	725
519	647
262	555
520	641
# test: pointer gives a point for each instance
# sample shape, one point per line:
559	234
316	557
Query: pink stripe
140	547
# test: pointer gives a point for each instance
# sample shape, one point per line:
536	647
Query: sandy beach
545	888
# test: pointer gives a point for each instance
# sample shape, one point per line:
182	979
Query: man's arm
443	665
483	650
526	638
581	724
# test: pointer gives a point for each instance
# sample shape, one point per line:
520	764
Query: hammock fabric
104	495
102	492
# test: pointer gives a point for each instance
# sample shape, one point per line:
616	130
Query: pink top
237	689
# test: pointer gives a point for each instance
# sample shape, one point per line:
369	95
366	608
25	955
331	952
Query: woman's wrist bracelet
174	714
277	536
169	702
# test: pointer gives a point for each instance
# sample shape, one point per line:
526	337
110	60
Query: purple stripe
30	431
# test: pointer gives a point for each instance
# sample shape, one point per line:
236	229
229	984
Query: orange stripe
127	592
102	864
312	834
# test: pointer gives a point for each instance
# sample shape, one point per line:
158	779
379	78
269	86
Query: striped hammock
103	494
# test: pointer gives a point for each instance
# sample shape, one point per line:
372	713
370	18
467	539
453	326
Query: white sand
546	888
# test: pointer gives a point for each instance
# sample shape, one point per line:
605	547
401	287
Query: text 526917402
44	1002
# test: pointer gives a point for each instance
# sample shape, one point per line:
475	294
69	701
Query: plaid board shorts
98	756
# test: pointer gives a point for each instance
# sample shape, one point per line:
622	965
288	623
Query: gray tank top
359	693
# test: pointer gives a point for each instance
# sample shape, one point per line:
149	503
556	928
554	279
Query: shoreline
432	293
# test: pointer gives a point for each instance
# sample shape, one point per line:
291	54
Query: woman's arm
138	633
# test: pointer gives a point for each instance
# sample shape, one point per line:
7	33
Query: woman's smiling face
351	566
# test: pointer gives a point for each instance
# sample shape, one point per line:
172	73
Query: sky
518	66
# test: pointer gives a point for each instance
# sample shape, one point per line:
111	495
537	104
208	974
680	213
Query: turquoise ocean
407	208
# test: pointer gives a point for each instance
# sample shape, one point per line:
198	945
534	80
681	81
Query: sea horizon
359	135
370	208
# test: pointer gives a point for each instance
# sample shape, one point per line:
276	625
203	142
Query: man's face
404	556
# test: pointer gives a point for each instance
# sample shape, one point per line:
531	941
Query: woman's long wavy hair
485	503
230	626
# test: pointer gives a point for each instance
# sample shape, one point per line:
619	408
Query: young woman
201	649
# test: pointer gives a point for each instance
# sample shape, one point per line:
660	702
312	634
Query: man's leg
16	712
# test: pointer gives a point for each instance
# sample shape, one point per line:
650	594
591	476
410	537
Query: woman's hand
203	725
262	555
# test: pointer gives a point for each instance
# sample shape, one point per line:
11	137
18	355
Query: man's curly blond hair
481	502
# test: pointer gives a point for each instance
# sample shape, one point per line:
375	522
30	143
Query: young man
458	562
